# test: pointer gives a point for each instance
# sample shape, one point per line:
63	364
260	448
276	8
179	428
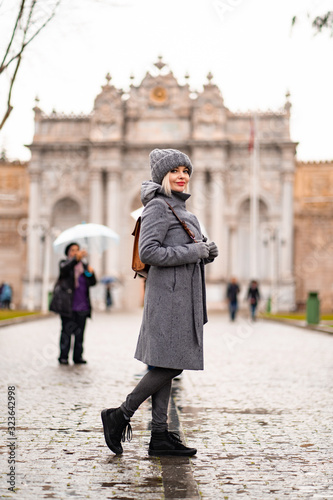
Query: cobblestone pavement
260	415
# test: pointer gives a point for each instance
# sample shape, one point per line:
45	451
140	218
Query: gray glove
202	249
213	250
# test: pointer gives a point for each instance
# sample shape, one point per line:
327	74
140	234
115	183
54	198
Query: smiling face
179	178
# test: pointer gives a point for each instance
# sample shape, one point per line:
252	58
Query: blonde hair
167	187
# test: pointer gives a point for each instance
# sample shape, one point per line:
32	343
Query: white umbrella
136	214
93	237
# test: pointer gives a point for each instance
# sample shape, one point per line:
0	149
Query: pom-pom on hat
164	160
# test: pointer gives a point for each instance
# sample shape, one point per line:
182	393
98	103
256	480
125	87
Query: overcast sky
248	45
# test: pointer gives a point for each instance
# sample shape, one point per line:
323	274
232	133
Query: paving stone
260	414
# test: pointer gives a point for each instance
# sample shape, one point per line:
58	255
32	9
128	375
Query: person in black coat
71	300
253	296
232	296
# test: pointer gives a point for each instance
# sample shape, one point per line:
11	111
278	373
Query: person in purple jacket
71	300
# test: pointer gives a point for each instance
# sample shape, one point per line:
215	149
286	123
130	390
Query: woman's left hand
213	250
90	269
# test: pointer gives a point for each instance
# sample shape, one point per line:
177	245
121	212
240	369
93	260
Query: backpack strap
183	223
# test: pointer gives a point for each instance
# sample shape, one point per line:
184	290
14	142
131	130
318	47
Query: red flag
251	139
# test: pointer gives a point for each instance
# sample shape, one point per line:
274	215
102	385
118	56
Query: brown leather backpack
138	266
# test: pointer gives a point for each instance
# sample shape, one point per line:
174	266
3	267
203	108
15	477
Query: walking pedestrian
253	297
171	334
108	297
6	296
232	297
71	300
1	287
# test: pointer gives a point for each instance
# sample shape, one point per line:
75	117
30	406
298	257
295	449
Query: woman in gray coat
171	334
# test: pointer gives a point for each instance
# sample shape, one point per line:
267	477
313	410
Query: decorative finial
36	108
108	78
288	104
132	76
159	64
210	77
187	76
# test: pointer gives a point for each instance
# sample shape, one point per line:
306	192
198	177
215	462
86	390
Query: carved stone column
198	198
112	221
96	197
96	213
216	198
287	233
225	252
233	245
33	238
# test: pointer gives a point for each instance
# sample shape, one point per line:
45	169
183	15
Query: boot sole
172	453
115	449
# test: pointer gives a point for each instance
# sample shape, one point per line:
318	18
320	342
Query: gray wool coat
171	334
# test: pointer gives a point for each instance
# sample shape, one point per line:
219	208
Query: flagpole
254	215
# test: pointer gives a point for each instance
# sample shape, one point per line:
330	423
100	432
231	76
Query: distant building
90	168
14	199
314	232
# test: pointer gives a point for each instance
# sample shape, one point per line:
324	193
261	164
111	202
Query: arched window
244	211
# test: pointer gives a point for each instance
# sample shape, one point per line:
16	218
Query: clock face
158	94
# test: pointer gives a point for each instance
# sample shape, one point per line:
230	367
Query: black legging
156	383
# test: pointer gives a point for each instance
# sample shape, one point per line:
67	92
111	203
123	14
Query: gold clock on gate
158	94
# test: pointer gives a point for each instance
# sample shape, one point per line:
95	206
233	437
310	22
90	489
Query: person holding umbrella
71	300
171	335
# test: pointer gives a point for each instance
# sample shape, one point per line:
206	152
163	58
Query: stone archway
66	213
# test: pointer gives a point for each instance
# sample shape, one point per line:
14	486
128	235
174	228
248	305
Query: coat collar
150	189
178	199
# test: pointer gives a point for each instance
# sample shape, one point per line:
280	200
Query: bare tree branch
325	21
19	16
26	29
24	43
9	106
319	23
31	18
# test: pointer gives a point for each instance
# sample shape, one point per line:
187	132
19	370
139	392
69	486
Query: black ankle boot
168	443
115	425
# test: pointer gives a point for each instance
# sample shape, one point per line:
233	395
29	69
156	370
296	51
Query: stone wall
14	195
314	232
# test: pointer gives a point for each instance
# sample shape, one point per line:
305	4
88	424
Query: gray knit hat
164	160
